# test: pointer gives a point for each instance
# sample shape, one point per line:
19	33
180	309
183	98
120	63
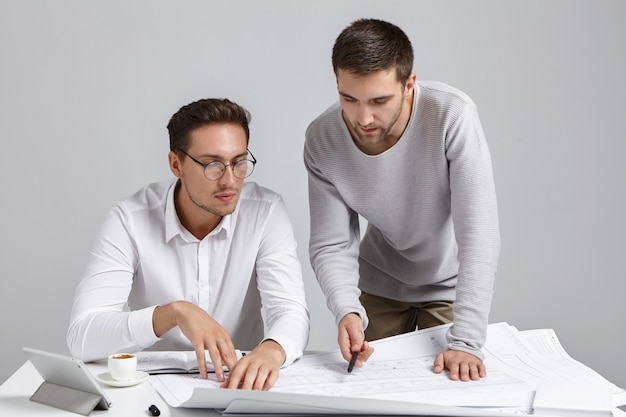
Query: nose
228	176
365	116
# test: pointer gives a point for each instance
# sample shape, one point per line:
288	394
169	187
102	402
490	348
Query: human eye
215	166
243	168
348	99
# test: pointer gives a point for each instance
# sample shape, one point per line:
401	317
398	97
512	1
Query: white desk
520	360
131	401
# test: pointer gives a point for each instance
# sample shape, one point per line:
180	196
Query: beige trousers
390	317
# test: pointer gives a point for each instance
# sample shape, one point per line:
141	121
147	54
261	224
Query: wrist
165	317
275	350
352	317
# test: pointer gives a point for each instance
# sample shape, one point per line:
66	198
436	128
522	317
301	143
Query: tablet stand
66	398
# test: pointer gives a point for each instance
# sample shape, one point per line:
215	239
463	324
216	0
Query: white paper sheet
400	373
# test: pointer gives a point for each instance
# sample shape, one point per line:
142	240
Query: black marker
352	361
154	410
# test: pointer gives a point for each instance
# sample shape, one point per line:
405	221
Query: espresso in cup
122	366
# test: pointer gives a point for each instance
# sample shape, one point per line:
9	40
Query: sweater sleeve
475	217
334	241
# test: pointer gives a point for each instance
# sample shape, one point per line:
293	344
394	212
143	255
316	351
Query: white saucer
107	379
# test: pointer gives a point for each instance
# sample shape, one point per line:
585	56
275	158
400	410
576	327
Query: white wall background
87	88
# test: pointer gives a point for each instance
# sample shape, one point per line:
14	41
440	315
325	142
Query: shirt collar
173	226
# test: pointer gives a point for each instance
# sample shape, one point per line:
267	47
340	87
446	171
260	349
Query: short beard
386	130
208	209
368	139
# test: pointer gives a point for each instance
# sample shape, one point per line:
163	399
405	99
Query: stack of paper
399	377
583	400
172	362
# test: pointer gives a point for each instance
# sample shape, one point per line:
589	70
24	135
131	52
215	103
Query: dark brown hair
204	112
371	45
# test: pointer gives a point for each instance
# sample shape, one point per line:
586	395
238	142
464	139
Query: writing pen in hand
352	361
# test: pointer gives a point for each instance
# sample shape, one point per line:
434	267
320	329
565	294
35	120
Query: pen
352	361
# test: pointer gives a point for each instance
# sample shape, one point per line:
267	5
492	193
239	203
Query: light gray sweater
430	204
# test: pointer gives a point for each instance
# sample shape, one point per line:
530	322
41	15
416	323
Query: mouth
368	130
226	197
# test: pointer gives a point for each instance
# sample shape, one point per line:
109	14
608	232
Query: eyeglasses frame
204	166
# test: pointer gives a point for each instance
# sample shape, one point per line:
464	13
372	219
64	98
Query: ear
175	164
409	86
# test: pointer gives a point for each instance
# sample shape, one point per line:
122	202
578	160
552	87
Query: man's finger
270	380
250	376
365	354
228	354
261	377
454	371
344	344
438	365
200	357
216	358
482	371
464	371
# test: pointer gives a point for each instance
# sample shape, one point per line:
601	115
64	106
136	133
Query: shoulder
443	105
443	93
148	197
257	205
330	119
254	194
326	135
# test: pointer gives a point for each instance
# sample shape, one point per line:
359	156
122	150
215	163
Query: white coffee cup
122	366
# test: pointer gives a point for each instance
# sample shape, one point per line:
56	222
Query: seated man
188	263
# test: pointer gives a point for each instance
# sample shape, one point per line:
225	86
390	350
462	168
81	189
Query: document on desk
192	392
398	379
173	362
538	357
401	369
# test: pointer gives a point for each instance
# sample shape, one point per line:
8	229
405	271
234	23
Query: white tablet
67	372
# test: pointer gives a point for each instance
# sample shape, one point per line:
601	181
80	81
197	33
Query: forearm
280	284
291	332
334	248
475	216
97	335
478	252
336	269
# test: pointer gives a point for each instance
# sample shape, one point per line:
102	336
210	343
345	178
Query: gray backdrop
87	88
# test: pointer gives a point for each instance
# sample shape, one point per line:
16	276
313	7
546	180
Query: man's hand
201	330
258	370
350	339
462	366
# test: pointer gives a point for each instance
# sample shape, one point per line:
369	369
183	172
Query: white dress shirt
245	274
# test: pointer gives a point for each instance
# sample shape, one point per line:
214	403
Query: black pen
352	361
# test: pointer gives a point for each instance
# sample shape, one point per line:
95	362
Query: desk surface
132	401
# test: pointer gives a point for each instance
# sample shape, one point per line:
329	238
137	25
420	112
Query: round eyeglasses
215	170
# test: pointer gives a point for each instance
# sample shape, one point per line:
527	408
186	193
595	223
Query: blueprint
399	373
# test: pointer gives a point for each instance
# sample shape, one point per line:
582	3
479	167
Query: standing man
188	263
411	158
